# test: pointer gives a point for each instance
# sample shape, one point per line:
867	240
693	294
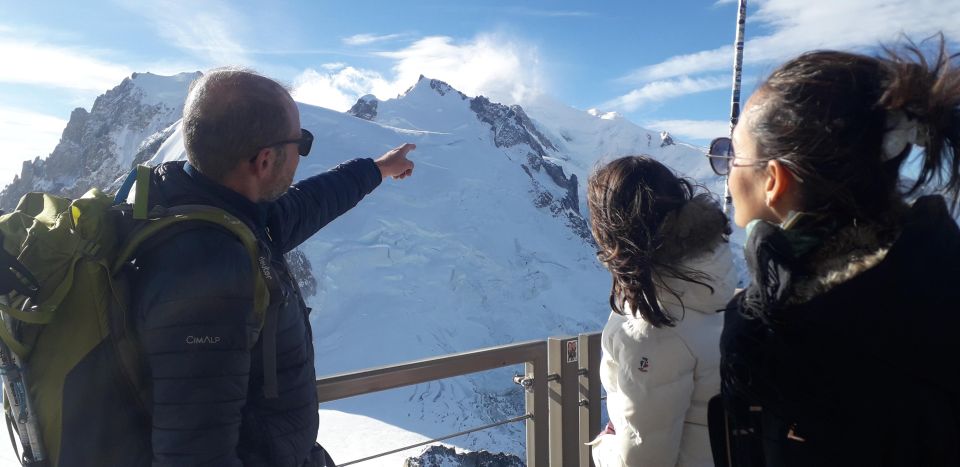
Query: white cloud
496	66
206	29
367	39
692	129
723	2
502	69
658	91
49	65
25	135
338	90
815	24
333	66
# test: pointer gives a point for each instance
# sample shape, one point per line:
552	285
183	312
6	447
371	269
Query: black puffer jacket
847	355
194	317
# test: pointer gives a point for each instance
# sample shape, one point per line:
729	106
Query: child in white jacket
666	249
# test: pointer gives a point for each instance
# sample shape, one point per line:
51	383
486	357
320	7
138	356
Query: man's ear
779	184
260	166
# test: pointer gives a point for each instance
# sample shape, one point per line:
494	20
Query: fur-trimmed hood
805	260
847	253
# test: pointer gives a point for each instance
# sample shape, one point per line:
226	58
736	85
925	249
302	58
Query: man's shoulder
198	250
191	265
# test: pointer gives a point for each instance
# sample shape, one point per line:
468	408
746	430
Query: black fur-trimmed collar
809	259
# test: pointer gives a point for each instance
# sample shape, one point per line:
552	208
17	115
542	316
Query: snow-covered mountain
124	127
486	244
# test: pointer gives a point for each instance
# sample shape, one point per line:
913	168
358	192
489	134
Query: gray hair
229	115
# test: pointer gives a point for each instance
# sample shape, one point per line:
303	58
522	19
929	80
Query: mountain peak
366	107
157	89
435	86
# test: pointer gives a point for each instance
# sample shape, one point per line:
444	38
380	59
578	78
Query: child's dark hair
646	220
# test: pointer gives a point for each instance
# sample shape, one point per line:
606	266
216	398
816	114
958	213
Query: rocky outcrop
365	108
302	271
665	139
512	127
442	456
99	146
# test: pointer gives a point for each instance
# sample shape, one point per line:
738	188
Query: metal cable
442	438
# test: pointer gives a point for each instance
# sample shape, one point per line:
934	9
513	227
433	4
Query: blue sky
662	64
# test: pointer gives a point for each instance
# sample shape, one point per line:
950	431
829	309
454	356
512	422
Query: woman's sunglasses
720	155
722	158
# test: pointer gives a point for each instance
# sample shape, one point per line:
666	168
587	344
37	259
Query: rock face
442	456
512	127
302	271
443	88
665	139
126	125
365	108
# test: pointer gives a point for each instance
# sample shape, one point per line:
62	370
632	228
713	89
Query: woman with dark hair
666	249
843	349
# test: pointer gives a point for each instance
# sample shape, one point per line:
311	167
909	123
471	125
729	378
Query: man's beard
282	181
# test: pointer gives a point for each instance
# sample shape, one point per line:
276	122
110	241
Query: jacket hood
680	296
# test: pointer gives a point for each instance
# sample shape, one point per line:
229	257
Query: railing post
590	406
562	357
538	427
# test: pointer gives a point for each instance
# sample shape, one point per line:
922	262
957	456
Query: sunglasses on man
304	143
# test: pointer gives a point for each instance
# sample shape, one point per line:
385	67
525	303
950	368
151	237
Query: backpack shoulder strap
179	217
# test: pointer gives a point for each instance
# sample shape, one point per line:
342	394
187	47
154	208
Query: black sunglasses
304	143
721	155
722	158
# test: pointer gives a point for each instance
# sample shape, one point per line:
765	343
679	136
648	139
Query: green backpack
64	300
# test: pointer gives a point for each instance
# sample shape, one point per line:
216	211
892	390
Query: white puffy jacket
659	380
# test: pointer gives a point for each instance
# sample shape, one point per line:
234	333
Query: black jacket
194	318
863	372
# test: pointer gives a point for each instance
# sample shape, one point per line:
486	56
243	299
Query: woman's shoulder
628	335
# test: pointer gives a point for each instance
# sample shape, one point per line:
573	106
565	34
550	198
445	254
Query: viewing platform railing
561	384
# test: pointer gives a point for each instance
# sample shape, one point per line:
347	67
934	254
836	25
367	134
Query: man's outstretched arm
313	202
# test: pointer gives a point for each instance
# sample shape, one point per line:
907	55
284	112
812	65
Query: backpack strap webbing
269	337
15	277
124	191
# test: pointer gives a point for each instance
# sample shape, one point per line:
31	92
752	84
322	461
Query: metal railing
561	381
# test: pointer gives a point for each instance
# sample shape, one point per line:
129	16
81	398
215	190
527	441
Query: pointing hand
394	163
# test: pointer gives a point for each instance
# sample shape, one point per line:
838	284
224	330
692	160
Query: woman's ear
780	188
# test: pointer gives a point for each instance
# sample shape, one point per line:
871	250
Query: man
214	399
